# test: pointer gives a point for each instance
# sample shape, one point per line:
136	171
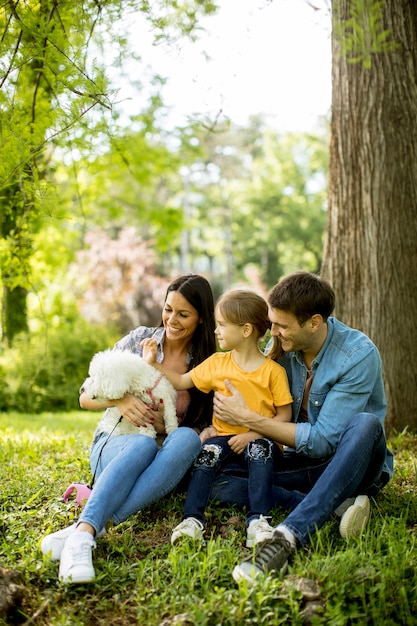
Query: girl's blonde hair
241	306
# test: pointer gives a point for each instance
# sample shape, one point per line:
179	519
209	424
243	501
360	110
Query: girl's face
228	335
179	317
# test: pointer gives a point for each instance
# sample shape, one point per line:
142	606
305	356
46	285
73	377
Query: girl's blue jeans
132	473
313	488
215	454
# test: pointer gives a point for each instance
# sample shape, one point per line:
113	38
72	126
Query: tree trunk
371	240
15	230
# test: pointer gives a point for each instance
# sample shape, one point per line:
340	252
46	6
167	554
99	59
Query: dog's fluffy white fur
113	373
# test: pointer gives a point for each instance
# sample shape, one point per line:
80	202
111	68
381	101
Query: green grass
142	580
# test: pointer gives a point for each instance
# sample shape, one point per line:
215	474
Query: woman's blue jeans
132	473
215	454
313	488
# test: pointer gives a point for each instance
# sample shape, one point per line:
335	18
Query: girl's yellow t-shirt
264	389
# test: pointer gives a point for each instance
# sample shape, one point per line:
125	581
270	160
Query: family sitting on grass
300	427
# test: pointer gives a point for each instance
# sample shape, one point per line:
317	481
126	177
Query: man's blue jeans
132	473
313	488
216	453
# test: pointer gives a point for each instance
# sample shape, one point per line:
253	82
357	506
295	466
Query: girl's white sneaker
189	527
257	531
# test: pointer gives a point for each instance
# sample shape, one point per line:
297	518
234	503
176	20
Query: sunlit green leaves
363	35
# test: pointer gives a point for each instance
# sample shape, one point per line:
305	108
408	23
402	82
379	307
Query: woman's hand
230	409
136	411
150	350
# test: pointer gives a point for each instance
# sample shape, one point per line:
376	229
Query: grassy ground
142	580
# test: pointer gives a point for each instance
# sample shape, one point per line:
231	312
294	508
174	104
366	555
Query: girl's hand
238	443
208	432
150	350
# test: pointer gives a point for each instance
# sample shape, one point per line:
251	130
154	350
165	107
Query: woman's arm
132	409
94	405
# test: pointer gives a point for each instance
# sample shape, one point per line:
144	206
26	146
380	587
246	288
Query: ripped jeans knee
259	450
209	456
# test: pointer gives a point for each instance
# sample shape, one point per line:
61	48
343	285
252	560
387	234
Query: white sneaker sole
355	518
78	579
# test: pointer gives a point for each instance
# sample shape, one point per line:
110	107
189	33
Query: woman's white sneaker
76	565
257	531
53	544
189	527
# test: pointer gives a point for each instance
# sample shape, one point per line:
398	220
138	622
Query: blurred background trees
98	214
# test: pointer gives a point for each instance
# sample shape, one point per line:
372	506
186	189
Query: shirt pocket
315	402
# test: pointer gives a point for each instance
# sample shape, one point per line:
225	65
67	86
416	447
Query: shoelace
263	526
190	523
82	552
268	549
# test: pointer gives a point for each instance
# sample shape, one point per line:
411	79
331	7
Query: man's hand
230	409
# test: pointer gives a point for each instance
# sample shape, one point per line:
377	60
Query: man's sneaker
53	544
342	508
189	527
355	518
257	531
271	556
76	564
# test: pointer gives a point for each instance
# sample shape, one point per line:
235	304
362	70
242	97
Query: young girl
241	321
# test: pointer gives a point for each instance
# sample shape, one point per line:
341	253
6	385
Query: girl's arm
179	381
283	413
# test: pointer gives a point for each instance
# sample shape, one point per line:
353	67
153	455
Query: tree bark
371	239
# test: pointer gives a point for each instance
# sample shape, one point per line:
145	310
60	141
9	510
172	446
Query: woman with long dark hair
133	471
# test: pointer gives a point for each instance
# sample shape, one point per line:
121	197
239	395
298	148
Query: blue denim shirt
347	380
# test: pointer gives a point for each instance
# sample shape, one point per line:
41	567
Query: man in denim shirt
336	454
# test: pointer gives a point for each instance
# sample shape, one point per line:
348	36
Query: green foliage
43	372
255	198
141	579
362	34
55	91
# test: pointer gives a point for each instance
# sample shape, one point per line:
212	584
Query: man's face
292	336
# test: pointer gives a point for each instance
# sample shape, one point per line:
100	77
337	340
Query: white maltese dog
113	373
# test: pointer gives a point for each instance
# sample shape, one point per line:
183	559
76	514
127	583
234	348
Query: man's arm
233	410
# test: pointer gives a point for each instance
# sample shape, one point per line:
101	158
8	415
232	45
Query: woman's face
179	317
